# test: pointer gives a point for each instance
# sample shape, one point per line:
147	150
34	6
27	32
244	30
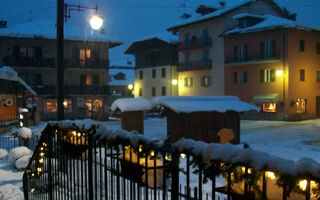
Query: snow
131	104
188	104
22	162
3	153
242	15
24	132
17	153
23	110
270	22
129	76
7	73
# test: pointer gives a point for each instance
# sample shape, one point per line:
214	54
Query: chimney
3	24
222	4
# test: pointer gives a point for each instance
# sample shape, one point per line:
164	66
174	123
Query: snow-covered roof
128	76
187	104
242	15
47	29
7	73
131	104
270	22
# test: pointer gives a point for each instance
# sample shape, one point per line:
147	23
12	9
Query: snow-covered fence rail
75	162
9	141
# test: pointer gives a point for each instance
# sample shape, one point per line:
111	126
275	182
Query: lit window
269	107
267	75
88	80
205	81
51	105
85	54
96	104
301	105
188	82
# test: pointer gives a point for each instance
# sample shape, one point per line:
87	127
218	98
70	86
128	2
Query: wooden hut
131	112
205	118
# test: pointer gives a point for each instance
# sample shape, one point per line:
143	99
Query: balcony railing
88	63
73	90
194	65
195	43
29	62
251	58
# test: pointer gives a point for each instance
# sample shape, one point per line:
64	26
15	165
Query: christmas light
270	175
303	185
182	155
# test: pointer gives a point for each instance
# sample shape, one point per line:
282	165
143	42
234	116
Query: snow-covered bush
3	153
17	153
24	133
22	162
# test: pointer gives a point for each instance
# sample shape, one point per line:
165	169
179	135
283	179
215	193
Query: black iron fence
9	141
72	162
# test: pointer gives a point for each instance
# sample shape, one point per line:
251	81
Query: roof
188	104
166	37
47	29
270	22
131	104
7	73
128	75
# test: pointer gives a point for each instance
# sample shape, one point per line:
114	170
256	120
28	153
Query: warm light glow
44	144
270	175
182	155
32	190
244	170
152	153
41	148
39	169
79	134
32	174
96	21
65	103
140	148
174	82
21	124
303	185
279	72
41	160
167	157
74	133
130	86
41	154
127	147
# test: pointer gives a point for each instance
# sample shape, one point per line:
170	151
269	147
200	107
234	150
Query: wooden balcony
29	62
251	59
73	90
195	44
88	63
195	65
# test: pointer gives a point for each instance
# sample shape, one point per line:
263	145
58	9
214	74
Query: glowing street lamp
96	21
130	86
279	72
174	82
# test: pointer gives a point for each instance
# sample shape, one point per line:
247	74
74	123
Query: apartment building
30	48
201	49
156	66
274	63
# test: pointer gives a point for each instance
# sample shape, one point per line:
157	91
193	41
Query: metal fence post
175	177
90	170
50	180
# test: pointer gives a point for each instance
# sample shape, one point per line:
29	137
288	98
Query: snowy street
290	140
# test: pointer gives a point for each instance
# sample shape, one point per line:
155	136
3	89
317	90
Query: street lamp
63	13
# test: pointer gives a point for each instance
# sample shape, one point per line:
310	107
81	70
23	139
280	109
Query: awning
265	98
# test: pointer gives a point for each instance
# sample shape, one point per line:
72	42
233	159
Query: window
186	38
205	81
153	91
187	57
51	105
240	77
163	91
267	75
188	82
205	33
318	48
301	46
163	72
32	79
268	49
154	73
243	23
318	76
140	92
241	52
205	54
269	107
302	75
94	106
140	74
85	55
301	105
88	79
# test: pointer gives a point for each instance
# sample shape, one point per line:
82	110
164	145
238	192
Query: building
201	49
156	66
121	80
30	48
274	63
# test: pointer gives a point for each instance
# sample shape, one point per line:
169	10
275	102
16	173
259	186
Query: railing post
264	186
90	170
50	179
25	186
175	177
308	190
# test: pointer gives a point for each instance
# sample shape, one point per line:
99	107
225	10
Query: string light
270	175
182	155
140	148
152	153
303	185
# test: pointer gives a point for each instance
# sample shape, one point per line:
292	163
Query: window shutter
261	75
262	49
274	48
272	75
235	52
245	77
235	77
82	79
16	51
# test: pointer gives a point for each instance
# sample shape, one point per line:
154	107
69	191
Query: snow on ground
289	140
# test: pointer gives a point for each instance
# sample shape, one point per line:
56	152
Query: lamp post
63	13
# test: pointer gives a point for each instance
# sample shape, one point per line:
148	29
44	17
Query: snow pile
22	162
3	153
23	110
188	104
17	153
24	132
131	104
256	159
10	191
